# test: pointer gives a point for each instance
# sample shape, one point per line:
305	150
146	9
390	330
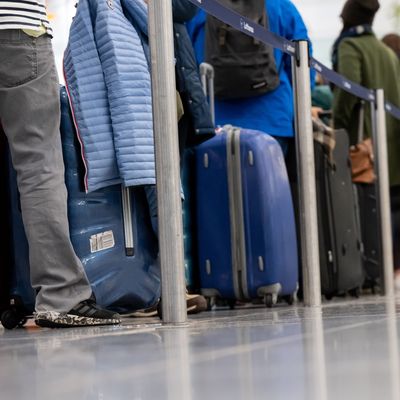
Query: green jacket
367	61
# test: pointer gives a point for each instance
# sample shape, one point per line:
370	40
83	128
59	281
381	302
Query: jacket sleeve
349	65
183	10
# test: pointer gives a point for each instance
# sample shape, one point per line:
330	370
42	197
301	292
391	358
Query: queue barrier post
306	177
383	195
174	310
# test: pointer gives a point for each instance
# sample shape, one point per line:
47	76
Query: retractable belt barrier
247	26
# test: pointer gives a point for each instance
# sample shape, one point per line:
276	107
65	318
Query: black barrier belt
248	27
342	82
393	110
245	25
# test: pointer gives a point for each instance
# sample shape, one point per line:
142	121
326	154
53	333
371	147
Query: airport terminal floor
344	350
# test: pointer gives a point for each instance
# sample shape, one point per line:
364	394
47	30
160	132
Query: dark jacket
368	62
187	76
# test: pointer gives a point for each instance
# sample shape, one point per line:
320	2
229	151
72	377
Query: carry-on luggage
246	227
370	234
189	219
111	233
4	227
21	297
364	179
339	238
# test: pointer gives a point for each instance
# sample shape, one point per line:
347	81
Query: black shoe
86	313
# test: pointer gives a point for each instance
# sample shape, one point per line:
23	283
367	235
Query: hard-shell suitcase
370	234
110	231
368	213
21	296
189	219
339	238
246	228
4	227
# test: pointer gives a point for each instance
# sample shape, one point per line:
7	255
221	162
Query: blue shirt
273	112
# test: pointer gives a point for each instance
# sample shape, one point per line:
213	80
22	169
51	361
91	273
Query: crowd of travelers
28	81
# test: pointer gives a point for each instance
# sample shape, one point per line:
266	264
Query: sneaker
86	313
144	313
196	303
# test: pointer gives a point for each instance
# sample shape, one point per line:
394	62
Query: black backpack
244	67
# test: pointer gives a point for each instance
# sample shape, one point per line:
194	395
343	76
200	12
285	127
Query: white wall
61	12
324	24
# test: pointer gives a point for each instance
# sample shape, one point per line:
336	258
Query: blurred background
321	17
324	24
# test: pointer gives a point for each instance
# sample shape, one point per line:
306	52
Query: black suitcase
4	228
339	236
370	234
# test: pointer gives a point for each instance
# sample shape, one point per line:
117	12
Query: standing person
30	117
272	112
362	58
392	40
196	125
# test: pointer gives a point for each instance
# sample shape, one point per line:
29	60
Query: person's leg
30	116
284	143
395	208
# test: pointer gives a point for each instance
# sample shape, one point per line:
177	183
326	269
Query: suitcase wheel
290	299
211	303
231	304
11	319
270	299
356	292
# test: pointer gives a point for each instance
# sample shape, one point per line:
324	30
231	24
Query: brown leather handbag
362	156
362	162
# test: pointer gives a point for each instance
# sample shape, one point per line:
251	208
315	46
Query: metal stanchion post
306	177
167	162
381	160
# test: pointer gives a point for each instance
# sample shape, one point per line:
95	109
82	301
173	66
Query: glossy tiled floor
346	350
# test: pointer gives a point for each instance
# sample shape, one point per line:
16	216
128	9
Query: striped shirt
24	14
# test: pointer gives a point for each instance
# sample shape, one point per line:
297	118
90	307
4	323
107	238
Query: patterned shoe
86	313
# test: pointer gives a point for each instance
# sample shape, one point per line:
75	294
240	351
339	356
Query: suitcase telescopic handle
128	221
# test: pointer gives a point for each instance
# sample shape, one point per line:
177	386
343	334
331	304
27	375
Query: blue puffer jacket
273	112
109	86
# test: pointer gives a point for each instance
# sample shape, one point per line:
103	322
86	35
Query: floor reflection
346	350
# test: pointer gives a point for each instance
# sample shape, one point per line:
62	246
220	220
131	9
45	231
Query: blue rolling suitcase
111	233
246	226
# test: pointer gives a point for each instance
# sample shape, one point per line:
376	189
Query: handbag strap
361	114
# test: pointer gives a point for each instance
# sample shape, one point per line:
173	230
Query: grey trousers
30	117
